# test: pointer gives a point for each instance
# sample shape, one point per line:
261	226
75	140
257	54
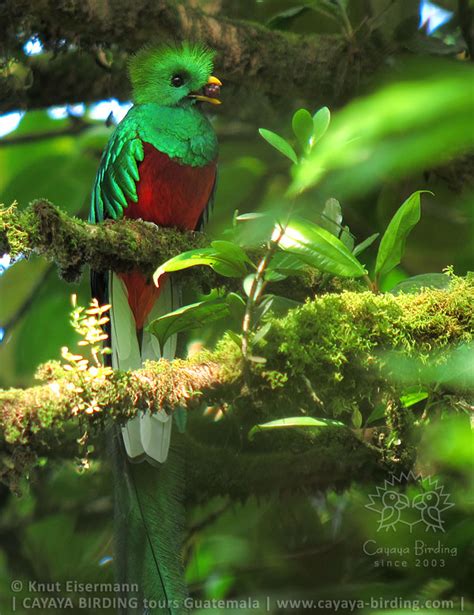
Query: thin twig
256	291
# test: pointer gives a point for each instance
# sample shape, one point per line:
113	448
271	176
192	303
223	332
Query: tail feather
145	436
149	508
155	435
155	429
125	355
149	528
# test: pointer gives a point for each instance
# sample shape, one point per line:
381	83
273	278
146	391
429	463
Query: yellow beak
214	80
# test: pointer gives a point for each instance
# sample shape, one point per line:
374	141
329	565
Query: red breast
169	194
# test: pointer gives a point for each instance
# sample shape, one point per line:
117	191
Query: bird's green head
174	76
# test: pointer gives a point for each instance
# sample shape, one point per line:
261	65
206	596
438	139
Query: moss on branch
72	244
121	246
326	358
251	58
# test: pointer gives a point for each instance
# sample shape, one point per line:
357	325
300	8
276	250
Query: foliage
364	144
408	134
329	250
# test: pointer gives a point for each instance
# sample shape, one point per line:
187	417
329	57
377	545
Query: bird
160	166
431	507
393	503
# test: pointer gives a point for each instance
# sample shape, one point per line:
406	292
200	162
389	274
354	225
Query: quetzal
159	165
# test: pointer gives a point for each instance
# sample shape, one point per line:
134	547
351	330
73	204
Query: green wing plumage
117	175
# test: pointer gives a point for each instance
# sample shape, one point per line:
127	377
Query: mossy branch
324	359
45	230
251	58
123	245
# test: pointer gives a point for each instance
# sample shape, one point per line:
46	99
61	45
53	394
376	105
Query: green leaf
254	229
247	283
296	421
236	307
318	248
69	184
425	280
232	250
282	265
363	245
356	418
261	333
321	120
332	216
279	144
410	399
277	304
377	413
302	124
237	339
253	215
392	246
401	128
44	328
225	260
347	238
188	317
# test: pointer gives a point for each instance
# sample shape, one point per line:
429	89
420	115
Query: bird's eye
177	81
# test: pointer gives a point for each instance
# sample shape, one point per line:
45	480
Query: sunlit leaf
320	249
292	422
188	317
279	144
392	245
321	120
224	257
247	283
253	215
231	250
402	127
410	399
302	124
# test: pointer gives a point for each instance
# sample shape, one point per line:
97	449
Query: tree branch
122	246
250	57
323	359
73	244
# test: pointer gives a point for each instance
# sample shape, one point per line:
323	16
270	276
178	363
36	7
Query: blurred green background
416	136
